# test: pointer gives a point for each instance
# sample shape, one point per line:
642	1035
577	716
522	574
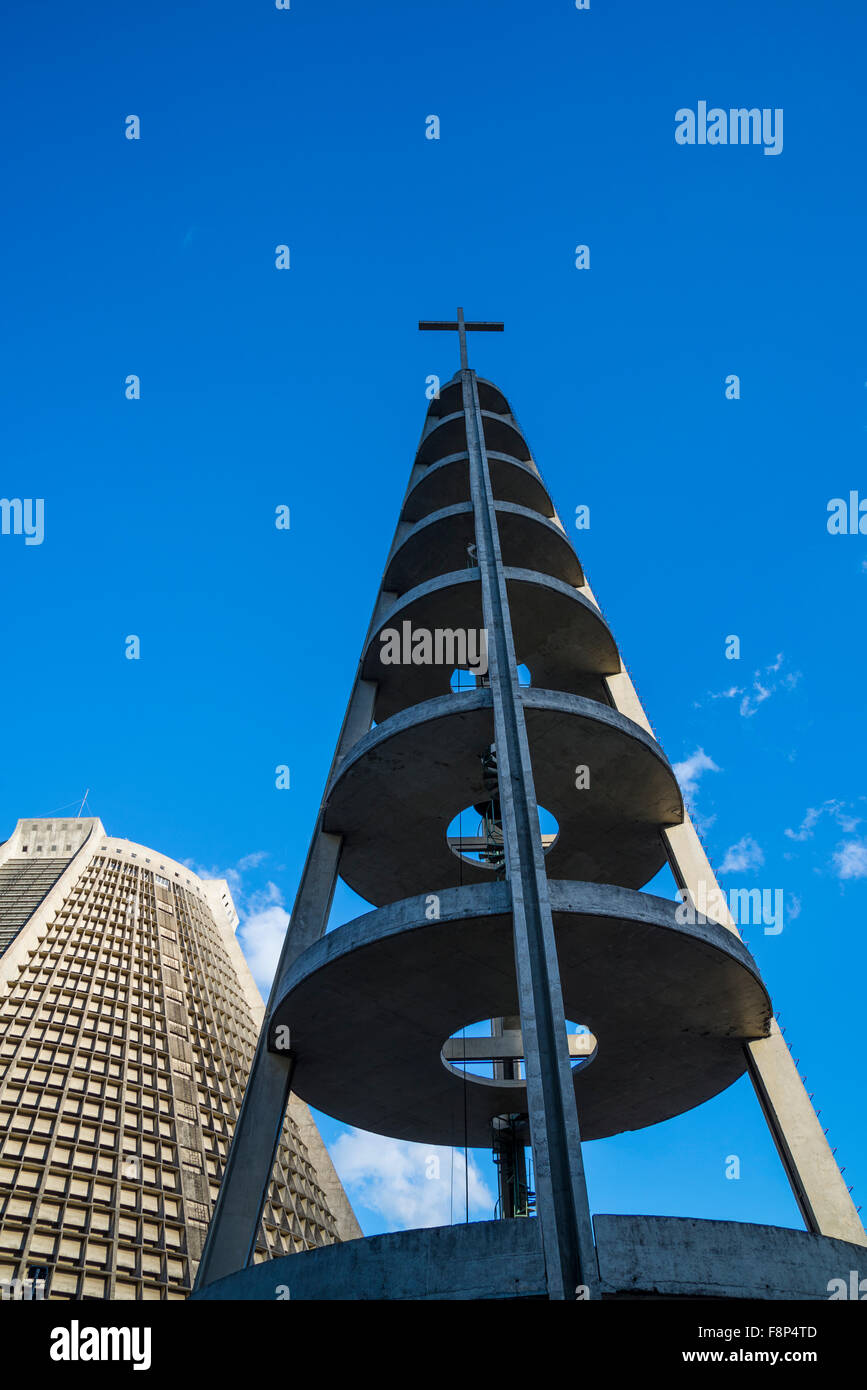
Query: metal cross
462	329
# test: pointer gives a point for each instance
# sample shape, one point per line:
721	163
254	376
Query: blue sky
305	387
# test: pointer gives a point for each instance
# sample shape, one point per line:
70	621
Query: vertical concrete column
231	1239
814	1176
820	1191
561	1191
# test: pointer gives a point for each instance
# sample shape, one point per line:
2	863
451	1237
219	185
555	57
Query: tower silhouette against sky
514	924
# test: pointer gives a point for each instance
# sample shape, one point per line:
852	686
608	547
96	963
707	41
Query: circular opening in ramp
463	678
476	834
477	1054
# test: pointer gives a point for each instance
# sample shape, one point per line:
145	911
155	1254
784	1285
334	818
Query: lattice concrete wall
127	1028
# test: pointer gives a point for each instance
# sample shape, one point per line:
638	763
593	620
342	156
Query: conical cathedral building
128	1021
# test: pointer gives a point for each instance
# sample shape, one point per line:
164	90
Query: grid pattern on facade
125	1045
23	885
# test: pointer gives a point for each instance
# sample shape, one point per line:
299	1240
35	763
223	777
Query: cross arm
489	327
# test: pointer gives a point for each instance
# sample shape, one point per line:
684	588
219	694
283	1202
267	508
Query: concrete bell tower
513	924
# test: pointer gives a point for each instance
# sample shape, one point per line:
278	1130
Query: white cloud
261	898
793	907
391	1177
850	859
744	857
233	874
761	690
232	877
252	861
690	770
805	831
729	694
263	918
750	703
261	935
837	809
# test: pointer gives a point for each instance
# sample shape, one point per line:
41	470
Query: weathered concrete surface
638	1257
818	1184
371	1005
438	544
394	795
561	637
447	482
481	1260
678	1257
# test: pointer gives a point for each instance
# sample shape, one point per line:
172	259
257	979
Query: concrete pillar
231	1239
561	1192
815	1179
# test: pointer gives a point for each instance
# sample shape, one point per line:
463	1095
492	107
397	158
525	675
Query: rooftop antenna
81	807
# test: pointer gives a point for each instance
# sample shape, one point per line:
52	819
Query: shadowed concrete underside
571	651
394	796
371	1005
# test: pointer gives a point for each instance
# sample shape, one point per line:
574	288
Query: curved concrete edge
370	1005
397	611
494	899
611	900
452	387
455	904
456	702
442	583
465	509
481	1260
516	574
684	1257
660	1257
532	697
415	509
521	528
501	427
608	834
461	702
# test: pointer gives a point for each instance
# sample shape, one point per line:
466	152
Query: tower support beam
561	1191
231	1237
814	1176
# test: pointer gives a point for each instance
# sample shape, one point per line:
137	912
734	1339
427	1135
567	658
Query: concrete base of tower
638	1257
